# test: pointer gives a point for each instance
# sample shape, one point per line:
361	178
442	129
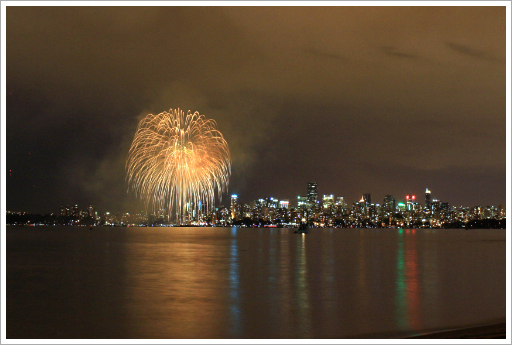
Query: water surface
73	282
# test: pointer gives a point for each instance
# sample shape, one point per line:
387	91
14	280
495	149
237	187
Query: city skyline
317	212
425	199
380	100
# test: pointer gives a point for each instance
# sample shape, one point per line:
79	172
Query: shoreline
489	331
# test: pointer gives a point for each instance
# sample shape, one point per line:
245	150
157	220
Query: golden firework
177	161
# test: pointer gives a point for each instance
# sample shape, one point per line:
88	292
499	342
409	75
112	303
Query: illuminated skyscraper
312	192
302	202
76	211
328	201
271	203
428	202
90	211
234	204
340	202
360	207
436	205
389	204
411	200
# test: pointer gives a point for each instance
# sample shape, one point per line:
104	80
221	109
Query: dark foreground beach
493	331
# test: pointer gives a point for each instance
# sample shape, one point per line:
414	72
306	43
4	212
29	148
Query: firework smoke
177	161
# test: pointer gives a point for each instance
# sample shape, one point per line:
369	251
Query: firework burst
177	162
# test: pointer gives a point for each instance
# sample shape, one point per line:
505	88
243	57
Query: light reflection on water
407	283
250	283
234	287
400	295
301	278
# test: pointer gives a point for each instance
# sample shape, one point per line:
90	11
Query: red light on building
413	197
407	197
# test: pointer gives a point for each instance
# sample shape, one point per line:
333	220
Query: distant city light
271	212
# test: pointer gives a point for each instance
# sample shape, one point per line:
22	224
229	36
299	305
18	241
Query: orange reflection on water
412	281
166	294
407	292
303	304
362	278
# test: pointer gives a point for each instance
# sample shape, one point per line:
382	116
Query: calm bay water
73	282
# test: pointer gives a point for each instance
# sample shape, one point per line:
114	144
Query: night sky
380	100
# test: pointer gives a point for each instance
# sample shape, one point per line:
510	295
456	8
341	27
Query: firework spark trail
177	159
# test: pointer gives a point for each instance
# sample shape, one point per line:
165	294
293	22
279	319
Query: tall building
271	203
365	202
340	206
90	211
284	204
389	204
500	212
360	207
76	211
234	206
312	192
410	202
328	201
302	202
401	207
428	201
436	205
340	201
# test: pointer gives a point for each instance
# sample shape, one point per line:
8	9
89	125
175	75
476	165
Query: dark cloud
476	53
316	52
386	100
393	51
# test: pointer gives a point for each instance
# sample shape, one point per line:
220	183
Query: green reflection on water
400	292
407	291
